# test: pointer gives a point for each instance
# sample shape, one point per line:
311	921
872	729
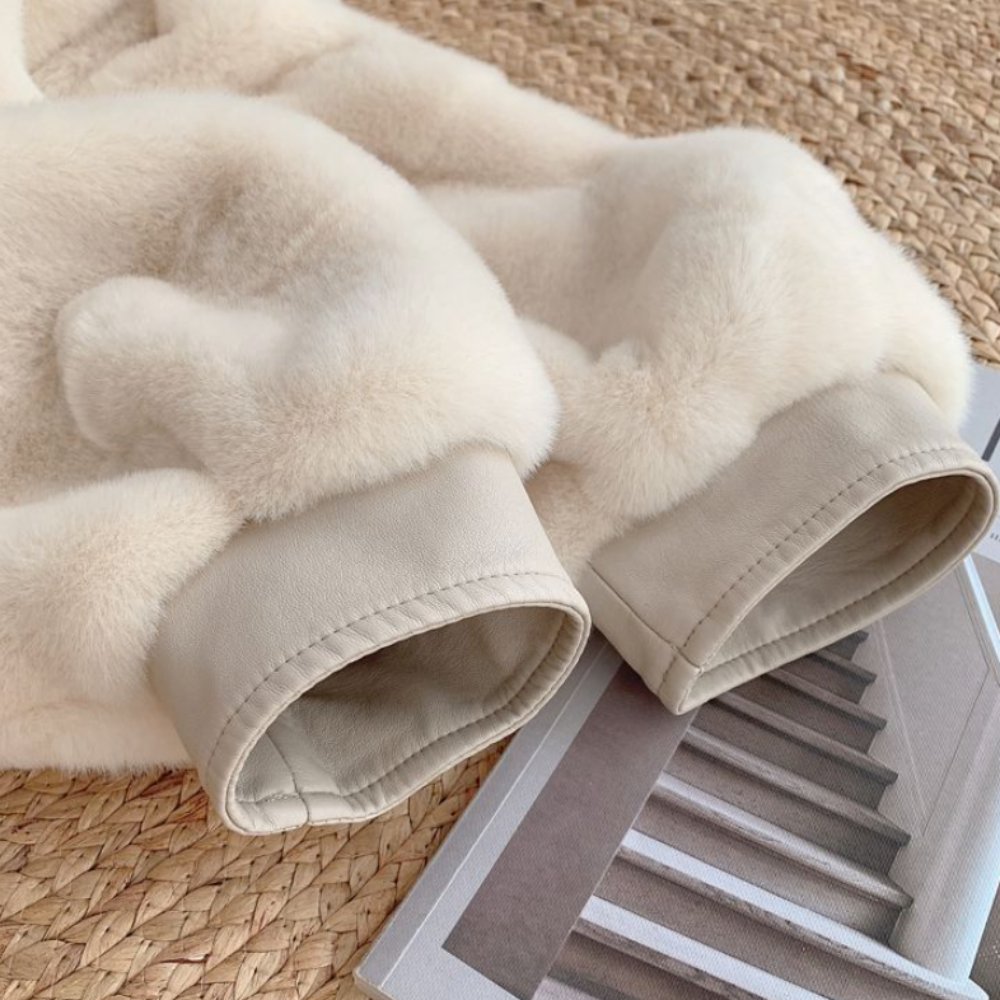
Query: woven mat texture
130	887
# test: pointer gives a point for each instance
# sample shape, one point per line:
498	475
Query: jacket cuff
847	505
324	667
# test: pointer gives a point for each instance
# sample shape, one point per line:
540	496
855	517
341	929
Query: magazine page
982	430
827	830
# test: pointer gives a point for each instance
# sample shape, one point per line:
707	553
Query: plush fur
83	576
240	291
707	282
680	291
16	85
220	286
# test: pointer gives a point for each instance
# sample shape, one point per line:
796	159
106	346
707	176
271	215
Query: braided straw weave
130	887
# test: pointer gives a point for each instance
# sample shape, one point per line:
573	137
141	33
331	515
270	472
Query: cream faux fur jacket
704	282
216	310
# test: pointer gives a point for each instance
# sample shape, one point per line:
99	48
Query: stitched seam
864	597
341	628
291	774
547	656
649	628
675	653
400	603
686	693
801	526
556	644
532	674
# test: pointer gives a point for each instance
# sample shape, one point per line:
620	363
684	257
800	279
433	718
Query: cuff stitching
564	626
349	625
800	527
864	597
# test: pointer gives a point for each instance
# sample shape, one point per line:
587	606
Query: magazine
831	829
982	430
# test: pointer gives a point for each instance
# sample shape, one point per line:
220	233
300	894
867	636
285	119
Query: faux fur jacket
703	281
216	310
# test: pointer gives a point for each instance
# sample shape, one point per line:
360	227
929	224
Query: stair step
788	800
589	970
815	707
702	903
751	848
836	673
846	664
554	989
786	742
820	694
849	645
691	969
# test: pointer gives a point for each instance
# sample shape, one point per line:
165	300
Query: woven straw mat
131	887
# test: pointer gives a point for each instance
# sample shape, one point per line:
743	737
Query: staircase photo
760	866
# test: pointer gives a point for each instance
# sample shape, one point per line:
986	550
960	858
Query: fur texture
16	86
240	292
707	282
680	291
239	301
82	579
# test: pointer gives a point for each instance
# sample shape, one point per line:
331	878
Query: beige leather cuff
324	667
847	505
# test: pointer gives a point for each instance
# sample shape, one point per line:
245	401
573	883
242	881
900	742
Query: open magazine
982	430
831	829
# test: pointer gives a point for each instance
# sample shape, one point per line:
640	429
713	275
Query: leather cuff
846	506
324	667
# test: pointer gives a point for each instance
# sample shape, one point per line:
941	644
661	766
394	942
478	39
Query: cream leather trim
847	505
441	595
